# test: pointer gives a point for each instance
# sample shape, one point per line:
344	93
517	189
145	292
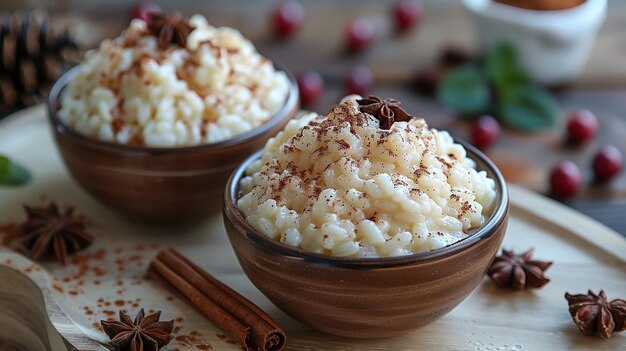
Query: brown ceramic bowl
159	184
366	297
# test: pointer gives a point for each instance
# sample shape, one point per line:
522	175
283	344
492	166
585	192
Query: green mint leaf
12	173
530	108
465	90
504	69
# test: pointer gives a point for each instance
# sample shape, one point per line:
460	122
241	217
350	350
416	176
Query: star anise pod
518	271
387	111
145	333
48	231
169	29
595	315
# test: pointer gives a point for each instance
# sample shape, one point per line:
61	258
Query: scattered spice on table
387	111
49	232
518	272
595	315
144	333
193	340
169	29
234	314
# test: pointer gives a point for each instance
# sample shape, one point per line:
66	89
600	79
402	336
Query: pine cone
34	51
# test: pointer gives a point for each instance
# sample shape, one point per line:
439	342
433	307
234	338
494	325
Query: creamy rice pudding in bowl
153	122
365	222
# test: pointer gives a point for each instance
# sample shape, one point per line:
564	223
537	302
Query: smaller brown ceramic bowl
169	185
366	297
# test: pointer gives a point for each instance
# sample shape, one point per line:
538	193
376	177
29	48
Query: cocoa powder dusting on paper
58	288
193	340
226	339
88	311
109	313
31	268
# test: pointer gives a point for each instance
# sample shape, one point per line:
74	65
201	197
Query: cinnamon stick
234	314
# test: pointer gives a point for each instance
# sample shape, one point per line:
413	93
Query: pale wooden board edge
574	222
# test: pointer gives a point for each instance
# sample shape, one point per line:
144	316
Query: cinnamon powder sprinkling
348	154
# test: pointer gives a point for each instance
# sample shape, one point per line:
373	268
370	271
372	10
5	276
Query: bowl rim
487	230
588	12
290	106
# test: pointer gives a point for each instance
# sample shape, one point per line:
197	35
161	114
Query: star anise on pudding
145	333
48	231
518	271
169	29
595	315
387	111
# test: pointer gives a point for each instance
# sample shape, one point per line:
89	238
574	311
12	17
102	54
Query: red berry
359	80
485	131
607	163
360	34
582	126
143	9
406	13
311	86
287	18
565	179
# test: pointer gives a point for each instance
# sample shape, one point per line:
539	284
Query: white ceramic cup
553	45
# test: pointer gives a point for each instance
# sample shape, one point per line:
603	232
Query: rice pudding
366	180
133	90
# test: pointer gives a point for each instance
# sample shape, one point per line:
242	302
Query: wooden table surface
524	158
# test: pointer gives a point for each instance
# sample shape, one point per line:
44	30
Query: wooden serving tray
110	274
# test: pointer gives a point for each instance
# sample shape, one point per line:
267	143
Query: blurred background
539	85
